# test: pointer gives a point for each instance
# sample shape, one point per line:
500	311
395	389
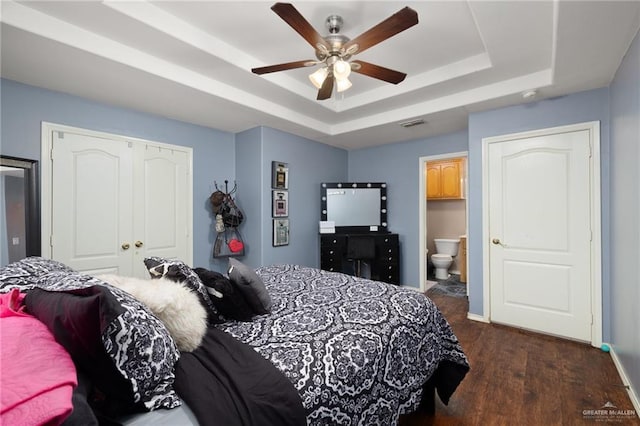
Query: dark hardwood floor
523	378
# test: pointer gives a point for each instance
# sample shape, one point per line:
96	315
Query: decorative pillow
24	273
177	270
114	337
74	318
232	305
251	286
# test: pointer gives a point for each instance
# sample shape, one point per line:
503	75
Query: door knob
125	246
497	242
138	243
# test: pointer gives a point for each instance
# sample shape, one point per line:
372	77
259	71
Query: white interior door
162	194
92	203
540	233
115	201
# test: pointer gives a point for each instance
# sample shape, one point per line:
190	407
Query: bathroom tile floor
451	286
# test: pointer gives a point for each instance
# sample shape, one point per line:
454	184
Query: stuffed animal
175	305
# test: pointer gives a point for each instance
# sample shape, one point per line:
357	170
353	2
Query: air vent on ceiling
412	123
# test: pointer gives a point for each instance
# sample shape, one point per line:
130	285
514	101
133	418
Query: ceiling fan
335	50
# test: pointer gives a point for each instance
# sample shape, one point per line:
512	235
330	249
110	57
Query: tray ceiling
191	61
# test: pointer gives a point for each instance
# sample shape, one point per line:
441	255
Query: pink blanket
37	375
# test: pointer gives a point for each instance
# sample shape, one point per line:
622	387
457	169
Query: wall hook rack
228	217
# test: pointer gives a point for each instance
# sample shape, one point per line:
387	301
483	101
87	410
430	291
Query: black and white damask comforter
358	351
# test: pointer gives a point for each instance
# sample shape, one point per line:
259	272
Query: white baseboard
476	317
633	396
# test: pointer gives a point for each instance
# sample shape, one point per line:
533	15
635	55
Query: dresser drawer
331	265
390	240
335	241
387	254
387	273
387	250
330	259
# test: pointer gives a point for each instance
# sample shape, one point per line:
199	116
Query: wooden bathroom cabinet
444	179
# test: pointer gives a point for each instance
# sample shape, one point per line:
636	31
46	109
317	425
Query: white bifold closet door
116	201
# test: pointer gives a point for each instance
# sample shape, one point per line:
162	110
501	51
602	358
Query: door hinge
51	241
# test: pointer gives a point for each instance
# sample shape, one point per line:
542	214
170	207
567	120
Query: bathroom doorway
445	213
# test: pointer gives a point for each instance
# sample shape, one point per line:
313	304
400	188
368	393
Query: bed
333	349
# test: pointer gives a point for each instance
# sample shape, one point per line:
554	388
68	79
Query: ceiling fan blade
282	67
326	89
291	16
396	23
376	71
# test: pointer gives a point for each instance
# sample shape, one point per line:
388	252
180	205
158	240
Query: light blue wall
217	156
399	166
23	108
310	163
625	213
250	196
586	106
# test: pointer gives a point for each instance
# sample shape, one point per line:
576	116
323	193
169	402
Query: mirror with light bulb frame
355	207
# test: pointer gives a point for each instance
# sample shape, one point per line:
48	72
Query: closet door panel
91	209
162	203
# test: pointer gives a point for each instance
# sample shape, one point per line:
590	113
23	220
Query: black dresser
374	256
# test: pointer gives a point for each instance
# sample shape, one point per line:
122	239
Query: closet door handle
138	243
497	241
125	246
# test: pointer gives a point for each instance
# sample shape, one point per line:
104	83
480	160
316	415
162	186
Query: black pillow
232	305
177	270
137	342
251	286
80	319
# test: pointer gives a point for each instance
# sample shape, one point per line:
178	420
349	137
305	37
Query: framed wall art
280	203
279	175
280	232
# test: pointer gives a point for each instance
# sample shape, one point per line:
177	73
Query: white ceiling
191	61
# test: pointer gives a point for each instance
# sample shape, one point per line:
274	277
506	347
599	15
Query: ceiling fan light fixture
341	69
335	50
318	77
343	84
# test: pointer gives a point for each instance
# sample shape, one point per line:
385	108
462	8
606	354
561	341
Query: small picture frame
280	232
279	175
280	203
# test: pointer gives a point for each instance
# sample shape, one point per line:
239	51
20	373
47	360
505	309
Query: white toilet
446	250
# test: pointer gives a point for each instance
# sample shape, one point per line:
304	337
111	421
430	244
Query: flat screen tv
356	207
